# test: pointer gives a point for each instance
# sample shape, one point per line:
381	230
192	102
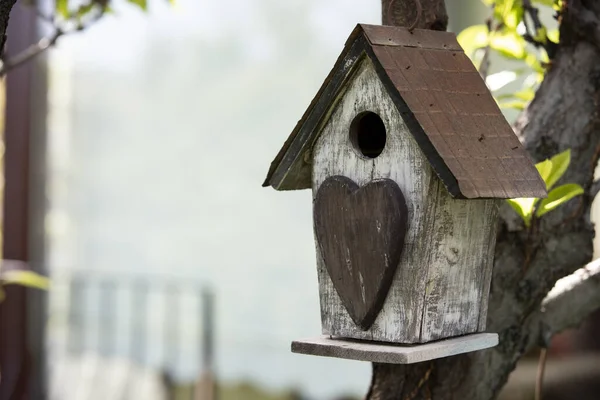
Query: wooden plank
401	161
393	354
458	265
488	263
360	233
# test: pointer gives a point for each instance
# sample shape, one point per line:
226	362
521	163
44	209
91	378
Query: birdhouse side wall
400	318
441	285
462	235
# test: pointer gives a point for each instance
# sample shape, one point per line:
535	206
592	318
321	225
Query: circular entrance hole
367	134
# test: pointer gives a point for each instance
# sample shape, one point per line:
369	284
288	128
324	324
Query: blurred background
142	143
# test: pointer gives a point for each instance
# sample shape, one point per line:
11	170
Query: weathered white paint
393	354
460	264
443	276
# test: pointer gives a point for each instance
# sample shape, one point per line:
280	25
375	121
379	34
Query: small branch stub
427	14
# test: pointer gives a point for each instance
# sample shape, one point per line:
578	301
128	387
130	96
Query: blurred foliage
514	32
70	12
249	391
23	277
551	171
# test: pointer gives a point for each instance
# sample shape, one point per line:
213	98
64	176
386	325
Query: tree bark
563	115
405	13
5	7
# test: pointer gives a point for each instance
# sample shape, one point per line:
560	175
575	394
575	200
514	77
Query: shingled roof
445	104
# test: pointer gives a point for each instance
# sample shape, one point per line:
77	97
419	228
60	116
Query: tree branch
405	13
532	35
534	14
30	52
572	299
71	25
5	8
583	21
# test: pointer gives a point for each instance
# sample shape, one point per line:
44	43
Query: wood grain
459	265
360	232
441	285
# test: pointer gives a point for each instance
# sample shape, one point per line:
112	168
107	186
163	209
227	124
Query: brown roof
446	105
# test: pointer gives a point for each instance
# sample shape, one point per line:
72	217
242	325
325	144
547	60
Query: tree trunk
563	115
5	7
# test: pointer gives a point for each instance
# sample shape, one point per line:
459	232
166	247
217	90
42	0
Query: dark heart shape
360	232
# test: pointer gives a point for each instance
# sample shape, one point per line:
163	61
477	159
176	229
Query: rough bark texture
405	12
564	114
5	7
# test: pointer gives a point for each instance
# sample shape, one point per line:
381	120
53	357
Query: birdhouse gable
442	100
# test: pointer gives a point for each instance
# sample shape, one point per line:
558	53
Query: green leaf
500	79
532	60
515	104
558	5
84	9
508	43
541	35
25	278
524	207
502	7
558	196
509	13
513	17
143	4
473	38
544	168
560	163
62	8
526	95
554	35
548	3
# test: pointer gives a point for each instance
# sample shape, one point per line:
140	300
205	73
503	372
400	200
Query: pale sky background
162	128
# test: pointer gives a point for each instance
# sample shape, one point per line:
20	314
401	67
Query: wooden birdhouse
407	155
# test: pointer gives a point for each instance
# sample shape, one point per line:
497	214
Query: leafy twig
533	36
30	52
534	14
49	41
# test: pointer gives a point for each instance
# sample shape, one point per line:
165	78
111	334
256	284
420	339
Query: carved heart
360	232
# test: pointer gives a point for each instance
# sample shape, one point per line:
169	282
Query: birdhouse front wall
441	285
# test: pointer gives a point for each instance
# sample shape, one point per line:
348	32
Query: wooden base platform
393	353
